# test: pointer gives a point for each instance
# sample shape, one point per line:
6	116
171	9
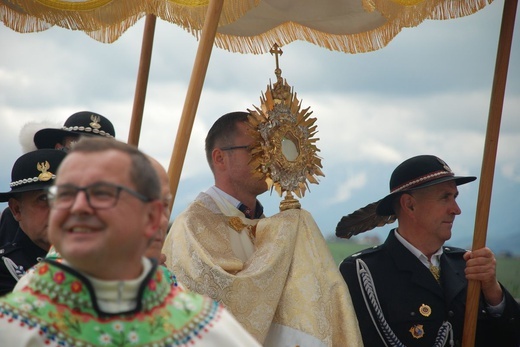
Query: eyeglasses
230	148
99	195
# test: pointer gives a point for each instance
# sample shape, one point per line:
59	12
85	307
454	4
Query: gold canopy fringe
107	20
86	16
398	17
413	15
21	22
288	32
111	33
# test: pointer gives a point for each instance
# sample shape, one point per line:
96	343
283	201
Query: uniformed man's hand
481	266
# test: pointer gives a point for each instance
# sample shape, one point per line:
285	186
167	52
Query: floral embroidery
76	286
118	326
152	285
59	305
38	303
133	337
42	270
26	307
184	303
105	339
65	321
59	277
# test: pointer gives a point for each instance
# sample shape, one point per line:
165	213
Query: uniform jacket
16	257
415	306
8	226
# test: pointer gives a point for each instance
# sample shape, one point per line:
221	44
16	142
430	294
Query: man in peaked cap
80	123
31	174
33	137
411	290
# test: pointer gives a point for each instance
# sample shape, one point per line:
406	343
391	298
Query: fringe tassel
398	17
411	13
288	32
19	21
106	20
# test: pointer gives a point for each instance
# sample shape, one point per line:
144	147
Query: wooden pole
191	102
142	80
488	162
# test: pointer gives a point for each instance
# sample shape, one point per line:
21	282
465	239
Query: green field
508	269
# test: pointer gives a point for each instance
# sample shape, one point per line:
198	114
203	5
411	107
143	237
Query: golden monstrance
284	149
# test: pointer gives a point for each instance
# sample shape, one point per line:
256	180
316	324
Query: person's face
238	166
436	209
31	210
154	250
106	243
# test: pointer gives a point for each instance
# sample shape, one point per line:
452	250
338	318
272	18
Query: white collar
435	260
216	191
118	296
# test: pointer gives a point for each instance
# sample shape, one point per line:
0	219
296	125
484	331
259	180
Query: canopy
253	27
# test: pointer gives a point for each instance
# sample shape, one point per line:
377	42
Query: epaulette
366	251
7	248
453	250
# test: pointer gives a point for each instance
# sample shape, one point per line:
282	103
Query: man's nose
81	202
456	209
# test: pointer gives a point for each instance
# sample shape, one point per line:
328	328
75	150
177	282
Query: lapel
452	274
406	262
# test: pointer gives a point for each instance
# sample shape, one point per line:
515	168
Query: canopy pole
142	80
191	102
488	162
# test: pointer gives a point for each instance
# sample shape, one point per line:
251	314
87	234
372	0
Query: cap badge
444	165
95	122
417	331
425	310
44	175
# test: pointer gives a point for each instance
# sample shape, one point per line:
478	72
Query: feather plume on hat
26	136
362	220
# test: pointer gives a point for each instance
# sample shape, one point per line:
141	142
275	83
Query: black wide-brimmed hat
80	123
34	171
415	173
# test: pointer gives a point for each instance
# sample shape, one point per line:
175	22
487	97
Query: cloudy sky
427	92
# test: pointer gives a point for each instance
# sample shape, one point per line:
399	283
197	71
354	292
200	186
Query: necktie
246	210
436	272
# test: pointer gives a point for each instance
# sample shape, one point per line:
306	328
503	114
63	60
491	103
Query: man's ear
155	212
407	203
15	207
217	155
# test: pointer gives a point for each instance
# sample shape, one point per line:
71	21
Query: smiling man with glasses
105	211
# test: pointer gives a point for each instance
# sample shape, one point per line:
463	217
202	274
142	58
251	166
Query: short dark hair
223	132
142	173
